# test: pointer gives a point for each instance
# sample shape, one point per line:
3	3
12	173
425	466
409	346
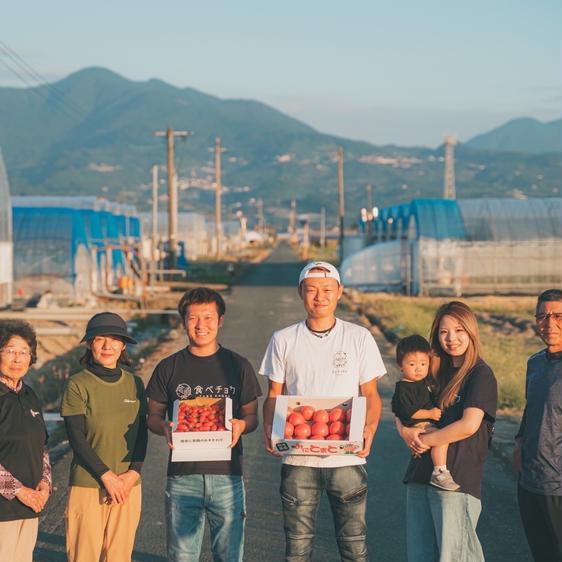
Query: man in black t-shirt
214	489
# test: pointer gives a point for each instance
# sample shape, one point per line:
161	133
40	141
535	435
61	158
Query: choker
321	334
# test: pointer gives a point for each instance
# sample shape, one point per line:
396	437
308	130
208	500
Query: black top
76	430
23	436
409	397
223	374
465	459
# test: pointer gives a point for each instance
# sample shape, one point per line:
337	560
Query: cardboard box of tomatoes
318	426
201	429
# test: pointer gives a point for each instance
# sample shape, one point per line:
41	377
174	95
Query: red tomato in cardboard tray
317	438
335	437
302	431
320	428
321	416
307	412
337	427
336	414
289	430
297	419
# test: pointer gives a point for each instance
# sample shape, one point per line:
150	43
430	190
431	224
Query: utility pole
369	210
170	134
341	198
154	256
218	189
449	190
261	217
323	227
293	222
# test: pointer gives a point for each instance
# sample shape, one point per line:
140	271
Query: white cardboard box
202	445
351	446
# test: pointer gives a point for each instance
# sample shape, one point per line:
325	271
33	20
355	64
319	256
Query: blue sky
404	72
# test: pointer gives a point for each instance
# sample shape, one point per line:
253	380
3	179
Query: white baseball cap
330	271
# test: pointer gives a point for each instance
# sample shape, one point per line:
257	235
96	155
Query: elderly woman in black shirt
25	471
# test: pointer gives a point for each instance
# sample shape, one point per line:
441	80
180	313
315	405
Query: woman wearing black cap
104	410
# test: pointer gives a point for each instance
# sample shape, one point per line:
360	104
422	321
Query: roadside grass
316	252
506	330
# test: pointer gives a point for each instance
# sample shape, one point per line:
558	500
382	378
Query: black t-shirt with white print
465	458
223	374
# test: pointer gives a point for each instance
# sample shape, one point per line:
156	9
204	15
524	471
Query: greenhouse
74	246
6	271
467	246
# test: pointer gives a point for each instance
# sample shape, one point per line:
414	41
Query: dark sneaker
444	480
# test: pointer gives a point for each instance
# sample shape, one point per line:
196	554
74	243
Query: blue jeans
441	526
301	489
222	499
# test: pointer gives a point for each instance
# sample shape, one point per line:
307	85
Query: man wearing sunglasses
538	444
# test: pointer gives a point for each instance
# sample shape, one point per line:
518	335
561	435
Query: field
506	329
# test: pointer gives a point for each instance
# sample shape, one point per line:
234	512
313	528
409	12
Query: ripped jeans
192	498
301	489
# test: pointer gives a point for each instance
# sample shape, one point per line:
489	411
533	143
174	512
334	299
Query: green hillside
93	134
522	135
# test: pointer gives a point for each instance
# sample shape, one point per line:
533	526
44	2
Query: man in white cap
323	356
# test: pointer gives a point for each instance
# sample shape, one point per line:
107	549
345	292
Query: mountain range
92	133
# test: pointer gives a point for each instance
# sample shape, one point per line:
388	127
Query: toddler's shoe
444	480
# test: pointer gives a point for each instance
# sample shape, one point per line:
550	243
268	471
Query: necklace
320	333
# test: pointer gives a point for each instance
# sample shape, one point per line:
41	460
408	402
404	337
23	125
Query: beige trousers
17	539
97	531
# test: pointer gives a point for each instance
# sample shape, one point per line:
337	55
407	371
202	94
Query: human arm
516	456
45	485
374	409
421	414
246	422
157	422
274	389
410	436
457	431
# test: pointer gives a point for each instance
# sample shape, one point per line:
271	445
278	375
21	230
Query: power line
32	79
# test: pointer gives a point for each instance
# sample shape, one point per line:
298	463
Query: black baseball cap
107	324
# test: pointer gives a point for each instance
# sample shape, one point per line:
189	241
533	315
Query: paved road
263	301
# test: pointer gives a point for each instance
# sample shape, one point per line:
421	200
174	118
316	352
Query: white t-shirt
334	365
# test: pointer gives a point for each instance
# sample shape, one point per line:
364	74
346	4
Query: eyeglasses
556	316
12	353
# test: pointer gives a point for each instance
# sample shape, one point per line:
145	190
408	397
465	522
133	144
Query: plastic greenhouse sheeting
47	241
505	220
5	210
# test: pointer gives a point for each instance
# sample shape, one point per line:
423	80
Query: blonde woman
441	525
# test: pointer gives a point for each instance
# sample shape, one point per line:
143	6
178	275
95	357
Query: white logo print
183	391
33	413
127	401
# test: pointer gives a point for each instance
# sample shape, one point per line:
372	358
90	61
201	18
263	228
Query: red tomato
321	416
297	419
221	427
348	415
289	430
319	428
302	431
335	437
205	427
337	427
317	438
336	414
307	412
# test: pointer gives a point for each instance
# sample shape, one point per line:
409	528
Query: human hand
114	487
238	428
167	432
44	491
368	436
129	479
267	429
410	436
435	414
31	498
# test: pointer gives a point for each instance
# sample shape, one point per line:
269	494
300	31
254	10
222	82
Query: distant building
460	247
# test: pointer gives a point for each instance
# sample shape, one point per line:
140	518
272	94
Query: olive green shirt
112	411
